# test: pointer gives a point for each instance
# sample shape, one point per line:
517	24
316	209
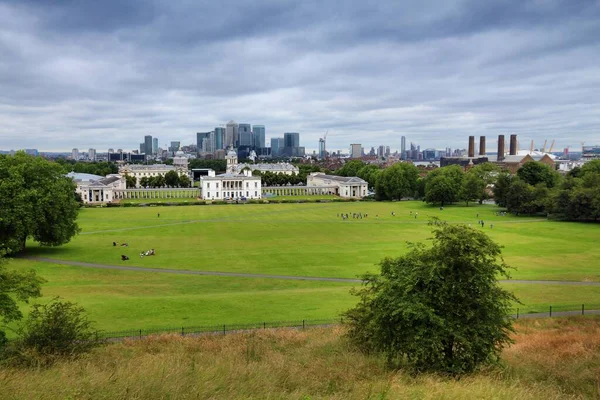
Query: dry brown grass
557	359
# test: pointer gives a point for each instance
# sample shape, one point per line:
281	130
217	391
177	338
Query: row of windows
232	194
217	184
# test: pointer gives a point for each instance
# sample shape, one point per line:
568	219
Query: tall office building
403	147
154	145
355	150
291	139
277	145
231	134
142	148
92	154
75	154
388	151
148	145
259	136
245	135
202	140
174	146
322	154
381	151
219	138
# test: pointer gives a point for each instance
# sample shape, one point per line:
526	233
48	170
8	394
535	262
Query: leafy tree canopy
36	201
396	182
439	308
534	172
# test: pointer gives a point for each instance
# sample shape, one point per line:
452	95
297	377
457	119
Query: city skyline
85	74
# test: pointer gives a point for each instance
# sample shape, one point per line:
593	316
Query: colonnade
190	193
300	190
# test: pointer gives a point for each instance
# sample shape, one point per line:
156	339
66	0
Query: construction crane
551	146
325	145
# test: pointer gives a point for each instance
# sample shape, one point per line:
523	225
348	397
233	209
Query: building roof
269	167
140	167
109	179
79	176
229	176
513	159
343	179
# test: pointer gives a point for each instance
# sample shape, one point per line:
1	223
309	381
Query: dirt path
265	276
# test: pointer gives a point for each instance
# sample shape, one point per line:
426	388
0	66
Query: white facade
276	168
347	186
230	186
141	171
95	189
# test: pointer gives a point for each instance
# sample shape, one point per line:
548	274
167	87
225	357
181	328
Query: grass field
287	239
552	359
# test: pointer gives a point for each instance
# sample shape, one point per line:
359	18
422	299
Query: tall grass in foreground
552	359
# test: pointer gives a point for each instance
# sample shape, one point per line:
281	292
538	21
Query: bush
439	309
54	330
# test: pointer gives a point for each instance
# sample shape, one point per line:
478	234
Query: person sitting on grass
124	244
115	244
124	257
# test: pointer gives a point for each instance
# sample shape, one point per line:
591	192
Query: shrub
56	329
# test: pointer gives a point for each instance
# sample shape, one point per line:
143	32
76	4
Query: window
208	185
217	194
217	185
255	184
247	193
207	194
256	193
247	185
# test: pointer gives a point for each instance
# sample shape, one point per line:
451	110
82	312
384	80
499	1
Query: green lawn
288	239
310	239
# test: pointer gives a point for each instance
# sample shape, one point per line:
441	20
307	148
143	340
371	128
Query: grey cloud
103	74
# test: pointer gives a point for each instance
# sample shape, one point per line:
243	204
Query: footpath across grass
552	359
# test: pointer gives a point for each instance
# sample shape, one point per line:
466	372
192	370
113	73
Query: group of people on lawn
142	254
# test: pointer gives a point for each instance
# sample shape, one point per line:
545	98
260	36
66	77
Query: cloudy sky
105	73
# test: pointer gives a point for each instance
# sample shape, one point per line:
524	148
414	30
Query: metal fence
214	329
528	312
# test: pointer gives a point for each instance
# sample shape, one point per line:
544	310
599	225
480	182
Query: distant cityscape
249	142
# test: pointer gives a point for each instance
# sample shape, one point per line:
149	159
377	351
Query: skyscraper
291	139
75	154
322	154
92	154
355	150
148	145
245	135
202	140
259	136
174	146
403	147
219	138
154	145
277	145
231	134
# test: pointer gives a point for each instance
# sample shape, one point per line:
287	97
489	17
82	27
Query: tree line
538	189
170	179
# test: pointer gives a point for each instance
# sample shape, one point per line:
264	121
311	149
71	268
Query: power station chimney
500	147
513	145
482	145
471	146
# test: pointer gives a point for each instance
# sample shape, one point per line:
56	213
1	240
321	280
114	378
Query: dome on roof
231	153
232	122
179	153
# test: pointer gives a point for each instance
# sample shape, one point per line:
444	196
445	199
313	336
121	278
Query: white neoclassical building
276	168
232	184
139	171
95	189
346	186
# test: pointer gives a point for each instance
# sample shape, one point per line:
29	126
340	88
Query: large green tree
172	179
473	188
15	286
36	201
444	185
534	172
439	308
350	168
396	182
